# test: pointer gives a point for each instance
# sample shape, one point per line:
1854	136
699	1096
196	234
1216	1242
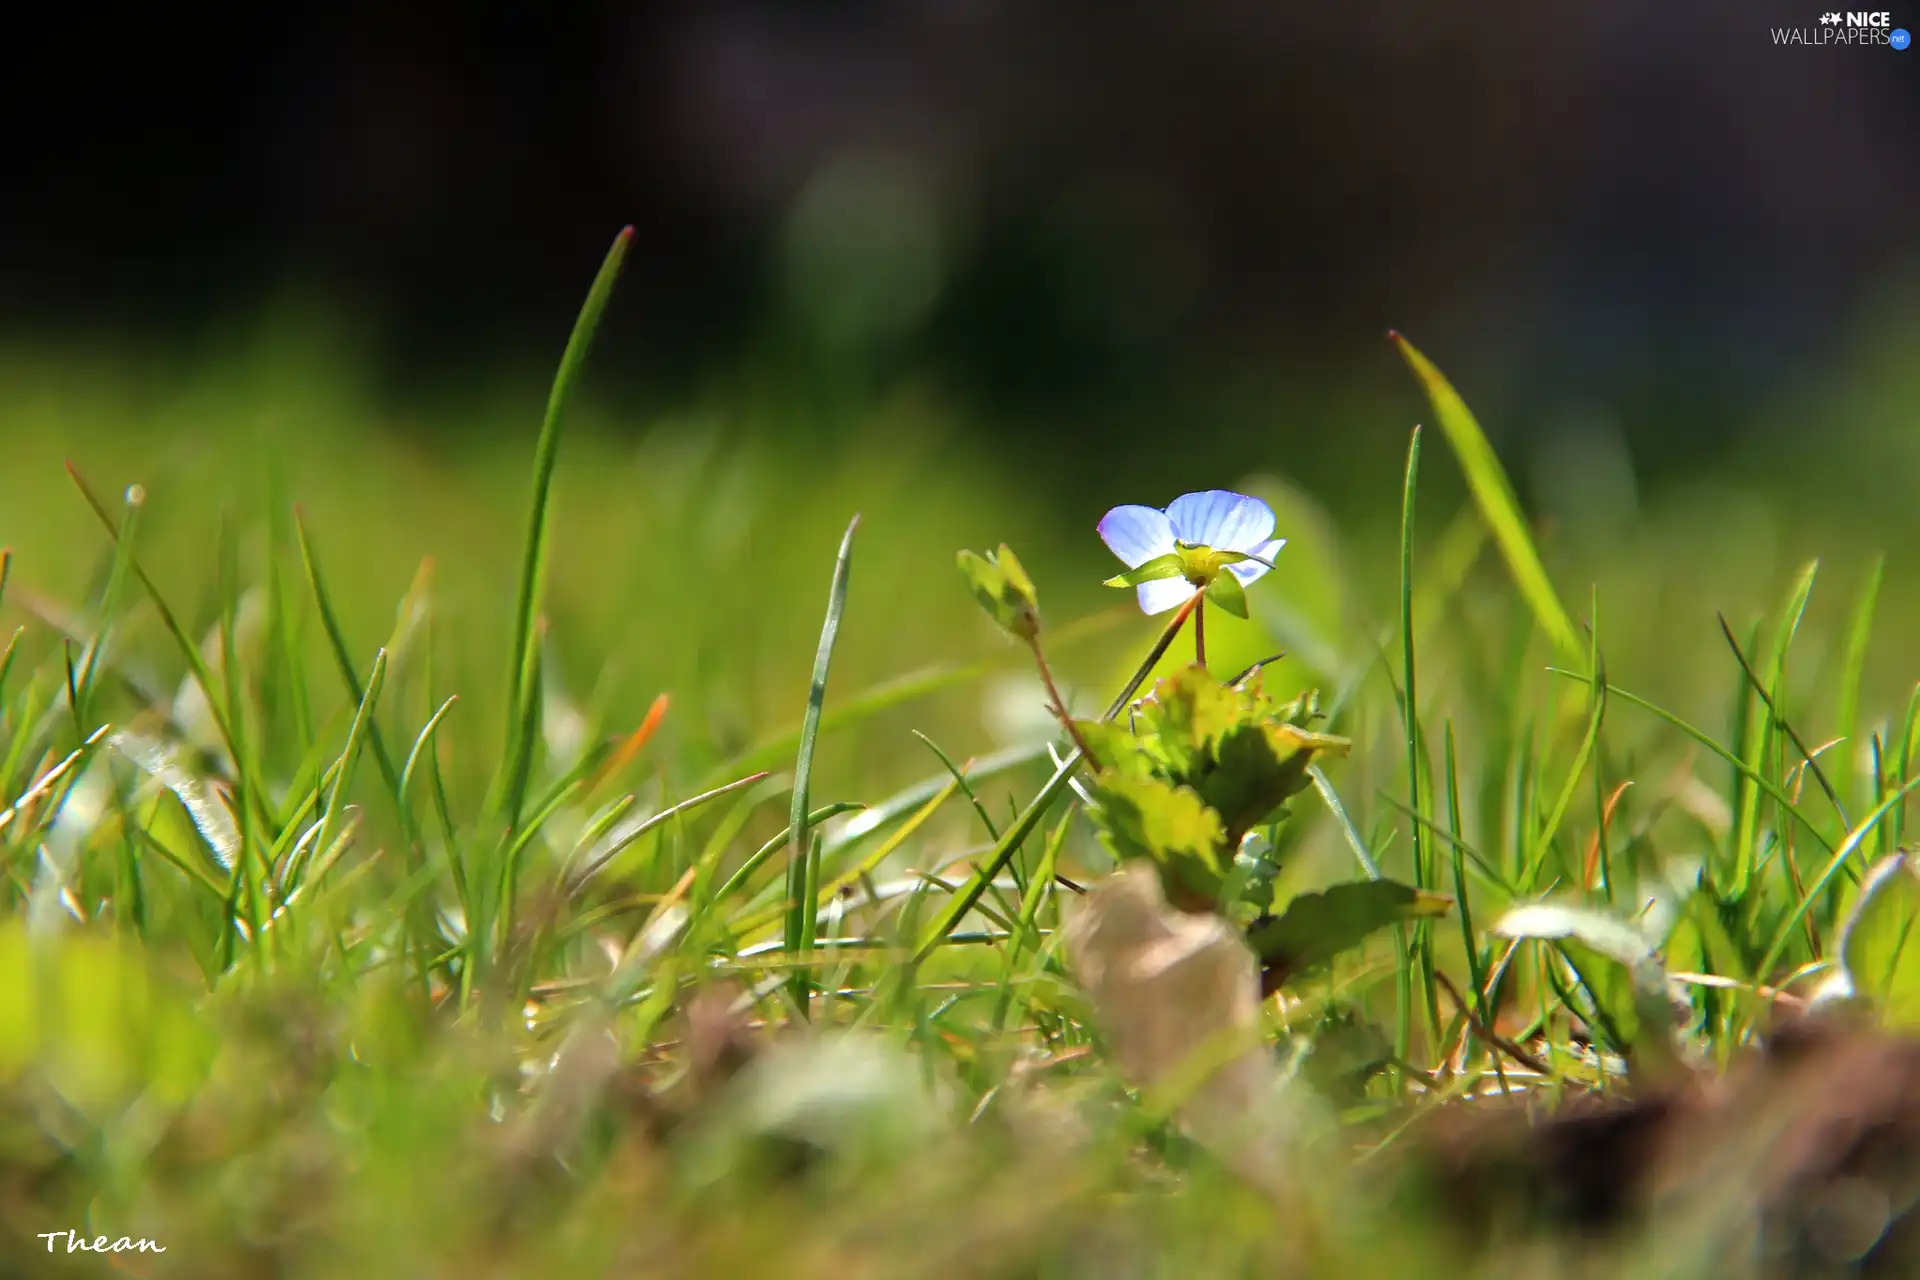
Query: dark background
1647	205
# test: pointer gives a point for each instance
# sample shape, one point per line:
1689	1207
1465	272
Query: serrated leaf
1112	749
1256	768
1151	818
1877	942
1225	744
1316	927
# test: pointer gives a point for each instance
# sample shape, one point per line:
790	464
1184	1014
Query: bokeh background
976	269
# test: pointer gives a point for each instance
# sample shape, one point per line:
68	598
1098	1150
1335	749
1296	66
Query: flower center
1202	564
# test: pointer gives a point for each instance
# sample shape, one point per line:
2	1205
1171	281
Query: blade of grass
899	690
1783	933
357	735
1759	779
1909	728
1470	941
631	745
1781	723
908	799
959	776
1859	633
758	858
1355	840
196	664
1493	494
800	850
1758	736
110	601
282	624
1543	842
1026	932
343	661
626	838
1009	844
747	924
524	656
1410	722
245	769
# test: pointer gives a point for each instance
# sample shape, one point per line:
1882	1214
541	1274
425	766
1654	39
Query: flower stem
1060	711
1011	840
1200	629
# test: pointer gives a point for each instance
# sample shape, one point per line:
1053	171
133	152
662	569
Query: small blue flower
1215	519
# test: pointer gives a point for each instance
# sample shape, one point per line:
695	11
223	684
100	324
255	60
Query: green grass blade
959	777
1493	494
1543	842
1909	728
282	623
1783	934
1596	663
1757	739
196	664
744	872
800	851
357	734
1404	974
1777	721
1470	941
109	603
1027	932
1740	766
1859	633
641	828
964	900
524	657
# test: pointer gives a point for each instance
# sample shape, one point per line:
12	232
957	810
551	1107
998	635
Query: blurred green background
694	535
977	272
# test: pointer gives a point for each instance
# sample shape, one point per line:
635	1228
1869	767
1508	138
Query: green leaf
1003	590
1014	836
1151	818
1232	746
1111	749
1225	590
1859	632
1617	966
523	660
1256	768
1493	494
1877	944
803	910
1316	927
1555	922
1170	565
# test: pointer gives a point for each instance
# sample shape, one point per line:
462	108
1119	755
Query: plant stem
1200	628
1059	704
1011	839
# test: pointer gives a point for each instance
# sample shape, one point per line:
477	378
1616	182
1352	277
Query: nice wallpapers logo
1847	30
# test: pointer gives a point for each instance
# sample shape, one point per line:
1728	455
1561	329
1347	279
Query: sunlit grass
403	882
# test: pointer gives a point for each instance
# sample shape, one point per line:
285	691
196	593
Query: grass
495	933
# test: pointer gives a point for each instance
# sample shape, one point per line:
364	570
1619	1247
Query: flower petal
1248	570
1221	519
1137	534
1167	593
